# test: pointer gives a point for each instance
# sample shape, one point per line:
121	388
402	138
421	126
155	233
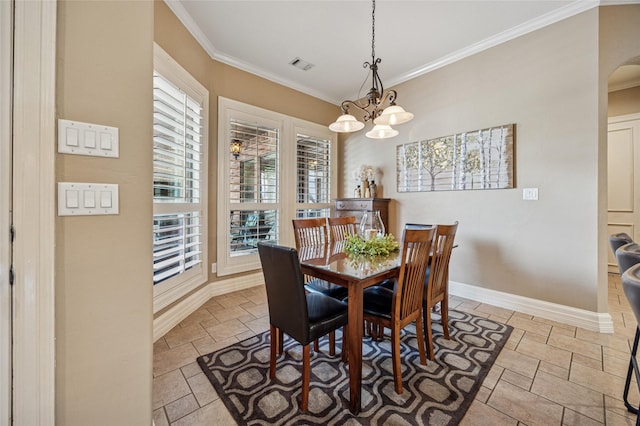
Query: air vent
301	64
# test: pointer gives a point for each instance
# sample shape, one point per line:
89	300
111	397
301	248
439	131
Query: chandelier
373	104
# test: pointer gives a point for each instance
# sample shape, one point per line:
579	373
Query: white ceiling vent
301	64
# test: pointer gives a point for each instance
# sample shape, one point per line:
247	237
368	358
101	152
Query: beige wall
223	80
547	83
623	102
103	263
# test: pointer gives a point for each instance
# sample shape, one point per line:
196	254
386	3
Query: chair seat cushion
378	301
325	314
336	291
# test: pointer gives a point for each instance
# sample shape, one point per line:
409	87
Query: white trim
34	212
571	9
623	118
594	321
176	314
550	18
623	86
6	42
174	288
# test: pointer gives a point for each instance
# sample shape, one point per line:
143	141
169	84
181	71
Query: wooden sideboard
357	206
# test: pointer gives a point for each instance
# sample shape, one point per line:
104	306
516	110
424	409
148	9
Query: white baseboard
186	307
594	321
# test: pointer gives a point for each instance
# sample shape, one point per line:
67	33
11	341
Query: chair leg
305	377
345	345
332	343
630	371
280	342
395	355
420	338
316	345
273	343
428	332
444	315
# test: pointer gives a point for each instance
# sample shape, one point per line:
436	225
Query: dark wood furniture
357	206
303	316
333	265
402	306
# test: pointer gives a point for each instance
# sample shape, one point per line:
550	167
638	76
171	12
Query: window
313	164
180	109
285	169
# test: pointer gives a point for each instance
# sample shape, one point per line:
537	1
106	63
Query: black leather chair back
631	286
618	240
627	256
285	290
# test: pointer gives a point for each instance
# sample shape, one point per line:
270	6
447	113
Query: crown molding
186	19
572	9
557	15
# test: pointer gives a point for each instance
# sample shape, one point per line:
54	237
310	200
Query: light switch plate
75	137
530	194
84	199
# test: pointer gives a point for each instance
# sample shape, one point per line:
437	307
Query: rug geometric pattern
436	394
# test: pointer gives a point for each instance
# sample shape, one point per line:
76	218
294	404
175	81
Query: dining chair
341	227
436	283
313	232
628	257
303	316
395	309
618	240
310	231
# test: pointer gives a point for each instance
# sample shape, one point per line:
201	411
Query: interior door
6	33
624	179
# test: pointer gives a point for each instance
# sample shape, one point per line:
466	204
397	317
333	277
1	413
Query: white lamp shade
393	115
346	123
382	131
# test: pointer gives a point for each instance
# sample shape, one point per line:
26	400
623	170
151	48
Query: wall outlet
214	268
530	194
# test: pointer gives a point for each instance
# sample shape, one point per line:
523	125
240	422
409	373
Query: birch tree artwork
480	159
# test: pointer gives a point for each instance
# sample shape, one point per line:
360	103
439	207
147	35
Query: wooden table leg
355	346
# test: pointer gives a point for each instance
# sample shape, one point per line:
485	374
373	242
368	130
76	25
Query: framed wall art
479	159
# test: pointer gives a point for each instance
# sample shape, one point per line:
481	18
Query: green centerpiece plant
355	245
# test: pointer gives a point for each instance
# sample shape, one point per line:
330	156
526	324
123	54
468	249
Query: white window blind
286	168
180	108
313	170
253	186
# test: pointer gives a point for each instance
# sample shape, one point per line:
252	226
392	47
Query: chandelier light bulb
393	115
373	106
346	123
381	131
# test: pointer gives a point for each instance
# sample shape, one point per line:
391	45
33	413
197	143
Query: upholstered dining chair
436	286
341	227
618	240
395	309
303	316
628	257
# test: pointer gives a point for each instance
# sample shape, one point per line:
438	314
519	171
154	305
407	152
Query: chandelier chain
373	31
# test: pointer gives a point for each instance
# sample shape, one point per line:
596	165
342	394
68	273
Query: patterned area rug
436	394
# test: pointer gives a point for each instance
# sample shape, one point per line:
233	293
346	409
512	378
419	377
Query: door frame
619	119
6	43
34	212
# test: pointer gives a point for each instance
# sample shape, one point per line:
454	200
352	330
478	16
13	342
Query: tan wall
546	83
103	263
223	80
623	102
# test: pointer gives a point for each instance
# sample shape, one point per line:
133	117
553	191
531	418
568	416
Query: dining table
329	262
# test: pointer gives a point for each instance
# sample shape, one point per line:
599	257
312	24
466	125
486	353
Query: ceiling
412	37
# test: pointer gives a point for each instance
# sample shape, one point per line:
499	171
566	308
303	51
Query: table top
332	259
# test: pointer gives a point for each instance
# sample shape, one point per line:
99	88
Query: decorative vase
373	188
366	192
371	225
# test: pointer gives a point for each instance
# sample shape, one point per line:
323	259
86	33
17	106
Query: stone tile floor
548	373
